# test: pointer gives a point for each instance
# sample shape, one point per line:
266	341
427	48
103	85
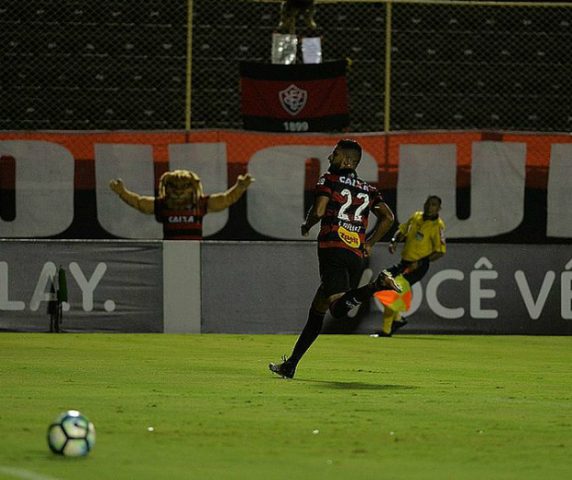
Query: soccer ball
71	434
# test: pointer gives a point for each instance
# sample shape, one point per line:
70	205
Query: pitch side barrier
266	287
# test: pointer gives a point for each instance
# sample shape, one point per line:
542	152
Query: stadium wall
266	287
496	187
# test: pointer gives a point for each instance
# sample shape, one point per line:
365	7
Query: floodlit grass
408	407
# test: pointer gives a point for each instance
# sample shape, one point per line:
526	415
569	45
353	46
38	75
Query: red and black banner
294	98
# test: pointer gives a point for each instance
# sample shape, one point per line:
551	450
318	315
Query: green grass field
407	407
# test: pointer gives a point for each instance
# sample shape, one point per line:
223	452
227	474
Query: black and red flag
294	98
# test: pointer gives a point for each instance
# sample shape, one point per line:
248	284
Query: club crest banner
294	98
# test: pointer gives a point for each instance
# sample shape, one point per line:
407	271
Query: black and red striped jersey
345	223
181	223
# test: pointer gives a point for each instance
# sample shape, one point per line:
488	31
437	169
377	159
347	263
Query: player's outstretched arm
220	201
142	203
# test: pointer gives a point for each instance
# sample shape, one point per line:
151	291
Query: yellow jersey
422	237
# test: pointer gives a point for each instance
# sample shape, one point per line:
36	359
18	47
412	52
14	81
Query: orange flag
398	302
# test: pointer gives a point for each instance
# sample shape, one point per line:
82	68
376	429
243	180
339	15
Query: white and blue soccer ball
71	434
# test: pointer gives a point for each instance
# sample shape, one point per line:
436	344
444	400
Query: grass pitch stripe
24	474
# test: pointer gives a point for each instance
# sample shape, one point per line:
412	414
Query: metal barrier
267	287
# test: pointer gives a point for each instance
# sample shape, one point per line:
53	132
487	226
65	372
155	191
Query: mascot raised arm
181	203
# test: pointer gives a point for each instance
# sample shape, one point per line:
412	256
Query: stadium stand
123	64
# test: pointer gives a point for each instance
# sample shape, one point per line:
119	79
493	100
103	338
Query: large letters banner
496	187
186	287
113	286
475	288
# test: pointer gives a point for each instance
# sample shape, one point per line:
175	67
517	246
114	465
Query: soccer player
342	204
424	242
181	203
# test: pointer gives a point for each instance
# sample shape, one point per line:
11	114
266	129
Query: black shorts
412	277
340	270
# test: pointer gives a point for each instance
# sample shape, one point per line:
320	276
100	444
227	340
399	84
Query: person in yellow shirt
424	242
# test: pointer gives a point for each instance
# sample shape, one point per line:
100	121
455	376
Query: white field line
24	474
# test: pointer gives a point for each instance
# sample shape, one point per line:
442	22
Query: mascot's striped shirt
345	223
181	223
